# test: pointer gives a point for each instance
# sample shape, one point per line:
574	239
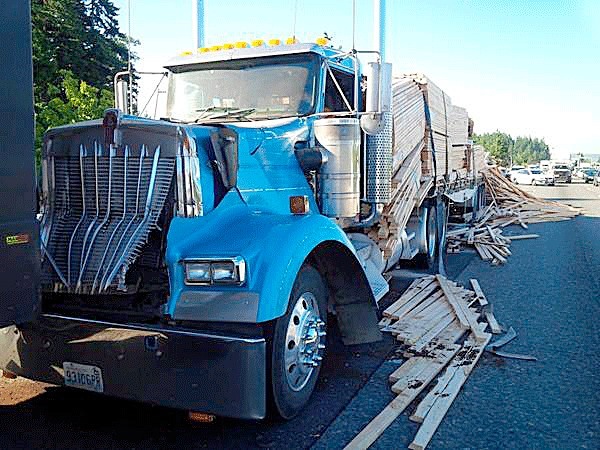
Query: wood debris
509	205
429	319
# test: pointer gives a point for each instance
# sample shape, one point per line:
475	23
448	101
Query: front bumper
178	368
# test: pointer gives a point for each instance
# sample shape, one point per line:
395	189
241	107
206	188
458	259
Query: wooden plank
432	333
384	419
457	305
404	369
460	314
427	403
417	286
414	301
478	292
522	236
445	398
494	325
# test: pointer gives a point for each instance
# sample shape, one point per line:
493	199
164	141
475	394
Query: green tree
500	145
77	49
508	151
76	101
81	36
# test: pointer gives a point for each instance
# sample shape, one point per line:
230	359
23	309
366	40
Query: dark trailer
19	257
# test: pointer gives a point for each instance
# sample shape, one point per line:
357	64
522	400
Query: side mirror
379	97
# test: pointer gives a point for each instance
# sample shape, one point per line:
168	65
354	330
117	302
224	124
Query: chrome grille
102	206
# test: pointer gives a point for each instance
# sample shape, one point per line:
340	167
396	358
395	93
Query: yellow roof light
215	48
322	41
257	43
228	46
291	41
274	42
241	44
186	53
203	50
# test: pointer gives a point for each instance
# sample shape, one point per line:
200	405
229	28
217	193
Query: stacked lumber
408	190
508	205
412	164
429	319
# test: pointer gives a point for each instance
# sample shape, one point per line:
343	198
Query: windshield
536	172
561	167
257	88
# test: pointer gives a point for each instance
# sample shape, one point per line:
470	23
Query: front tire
298	344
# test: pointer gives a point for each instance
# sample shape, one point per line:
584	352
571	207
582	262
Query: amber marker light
299	204
201	417
274	42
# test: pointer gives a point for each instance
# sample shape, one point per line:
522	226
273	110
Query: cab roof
191	58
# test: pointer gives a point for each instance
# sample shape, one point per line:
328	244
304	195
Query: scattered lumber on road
429	320
509	205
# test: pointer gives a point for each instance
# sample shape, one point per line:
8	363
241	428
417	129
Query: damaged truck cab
192	262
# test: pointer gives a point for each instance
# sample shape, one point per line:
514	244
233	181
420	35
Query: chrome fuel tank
339	177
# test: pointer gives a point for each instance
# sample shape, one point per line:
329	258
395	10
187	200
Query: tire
434	260
533	182
426	260
292	382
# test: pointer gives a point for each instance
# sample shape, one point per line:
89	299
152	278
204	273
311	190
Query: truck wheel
427	260
299	343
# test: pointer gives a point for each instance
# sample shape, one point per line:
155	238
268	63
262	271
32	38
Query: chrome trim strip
143	153
82	154
111	154
91	225
156	329
126	155
147	212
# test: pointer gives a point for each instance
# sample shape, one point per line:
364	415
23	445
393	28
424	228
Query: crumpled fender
274	247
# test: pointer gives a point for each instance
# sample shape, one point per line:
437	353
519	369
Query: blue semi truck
199	261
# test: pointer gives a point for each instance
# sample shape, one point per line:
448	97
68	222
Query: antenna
353	25
130	105
198	23
295	18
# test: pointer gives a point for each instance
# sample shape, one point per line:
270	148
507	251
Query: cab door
19	259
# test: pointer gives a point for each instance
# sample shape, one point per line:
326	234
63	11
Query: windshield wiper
226	114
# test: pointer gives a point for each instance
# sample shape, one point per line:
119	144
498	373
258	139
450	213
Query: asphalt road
548	291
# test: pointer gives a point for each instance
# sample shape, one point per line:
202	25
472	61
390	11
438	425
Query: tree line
77	49
508	151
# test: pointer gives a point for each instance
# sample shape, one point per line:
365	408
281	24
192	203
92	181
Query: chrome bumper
178	368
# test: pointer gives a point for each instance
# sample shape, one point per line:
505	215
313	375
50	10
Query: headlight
215	271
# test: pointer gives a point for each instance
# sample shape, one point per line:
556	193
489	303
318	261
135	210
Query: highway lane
549	291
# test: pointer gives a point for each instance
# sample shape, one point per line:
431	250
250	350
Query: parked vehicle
191	262
513	170
561	173
533	177
589	175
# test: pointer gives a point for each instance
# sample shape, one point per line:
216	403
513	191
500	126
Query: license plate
82	376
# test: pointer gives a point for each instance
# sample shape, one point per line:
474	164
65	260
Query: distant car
532	177
513	170
561	173
588	175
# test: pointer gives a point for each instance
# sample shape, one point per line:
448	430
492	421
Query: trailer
199	261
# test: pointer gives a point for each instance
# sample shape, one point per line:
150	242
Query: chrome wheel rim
304	342
431	232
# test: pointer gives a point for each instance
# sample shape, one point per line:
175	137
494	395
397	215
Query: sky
525	67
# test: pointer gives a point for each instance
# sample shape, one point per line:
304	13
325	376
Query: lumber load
509	205
447	131
429	319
